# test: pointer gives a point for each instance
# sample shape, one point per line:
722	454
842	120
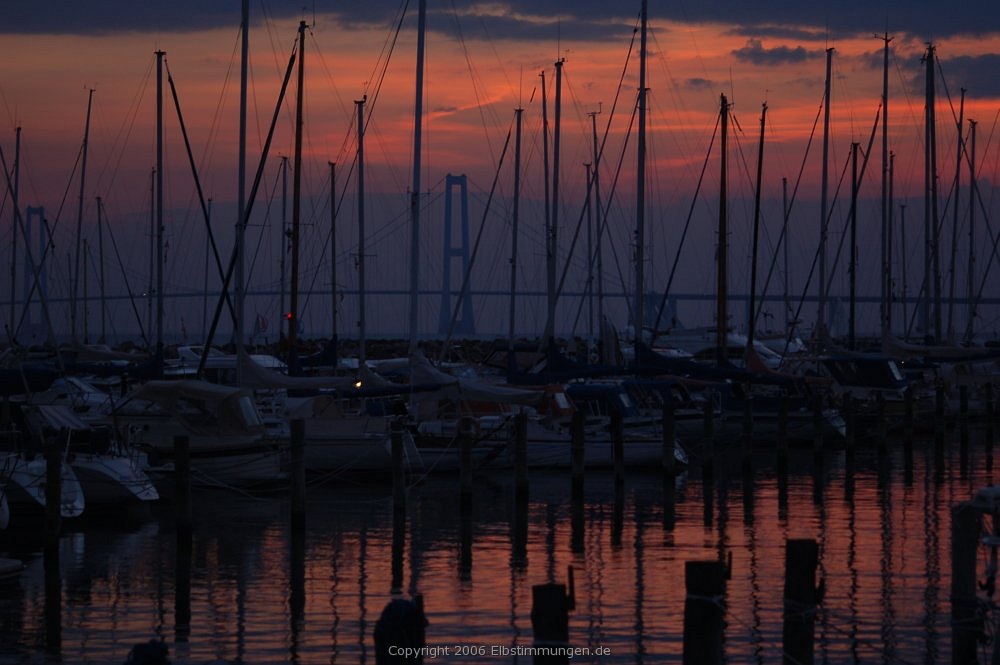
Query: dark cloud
523	19
977	74
755	53
699	84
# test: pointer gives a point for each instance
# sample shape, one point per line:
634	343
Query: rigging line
128	289
480	107
197	184
249	207
687	226
475	249
784	227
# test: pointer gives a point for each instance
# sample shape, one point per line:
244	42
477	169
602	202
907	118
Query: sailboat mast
283	268
360	103
553	237
889	265
333	260
852	272
600	219
972	232
293	302
886	209
100	272
240	270
515	220
640	193
12	331
784	249
79	216
721	286
954	223
159	212
415	189
932	257
152	253
823	230
550	269
752	306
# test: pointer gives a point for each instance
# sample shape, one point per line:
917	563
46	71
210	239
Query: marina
254	592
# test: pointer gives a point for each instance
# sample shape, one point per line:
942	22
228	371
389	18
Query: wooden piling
965	625
990	409
747	437
53	526
521	452
618	443
466	436
183	512
669	422
297	459
939	401
550	620
801	598
783	430
708	444
398	505
705	582
817	426
850	422
577	450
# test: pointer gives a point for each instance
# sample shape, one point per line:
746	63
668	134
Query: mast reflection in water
256	596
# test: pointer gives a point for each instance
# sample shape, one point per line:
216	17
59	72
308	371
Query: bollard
577	448
669	418
465	441
53	524
521	452
618	443
550	620
182	508
966	626
398	505
801	597
747	426
705	582
708	447
298	474
783	428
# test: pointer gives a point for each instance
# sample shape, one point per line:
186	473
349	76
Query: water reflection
243	587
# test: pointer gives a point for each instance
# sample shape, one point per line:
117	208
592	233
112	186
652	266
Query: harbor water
255	594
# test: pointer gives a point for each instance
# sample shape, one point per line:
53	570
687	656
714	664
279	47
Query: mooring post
669	418
618	443
990	412
577	450
966	626
53	526
801	598
466	436
183	510
297	459
398	505
850	422
908	398
708	446
747	438
939	400
550	620
883	423
705	583
818	430
783	429
521	452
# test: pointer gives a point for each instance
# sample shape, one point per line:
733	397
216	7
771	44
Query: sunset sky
483	61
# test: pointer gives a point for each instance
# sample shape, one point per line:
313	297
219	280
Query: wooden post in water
939	406
850	422
521	453
708	446
669	418
466	435
883	424
747	438
576	482
801	598
297	458
618	443
53	526
990	411
705	583
818	427
908	416
966	627
398	505
783	428
550	620
183	511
